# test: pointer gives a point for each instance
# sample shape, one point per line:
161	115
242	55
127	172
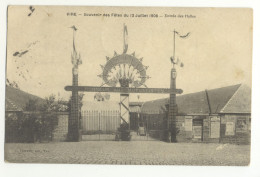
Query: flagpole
172	109
173	46
124	38
74	124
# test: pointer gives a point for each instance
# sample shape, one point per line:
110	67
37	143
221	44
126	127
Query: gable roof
16	100
219	97
197	103
154	106
240	102
193	103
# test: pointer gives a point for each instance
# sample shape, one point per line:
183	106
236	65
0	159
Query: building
216	115
16	99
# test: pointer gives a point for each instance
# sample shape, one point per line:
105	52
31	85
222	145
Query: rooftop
16	100
230	99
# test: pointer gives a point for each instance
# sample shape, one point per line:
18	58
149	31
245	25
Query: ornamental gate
103	125
124	74
153	126
99	125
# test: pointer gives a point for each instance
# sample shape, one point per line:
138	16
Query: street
129	153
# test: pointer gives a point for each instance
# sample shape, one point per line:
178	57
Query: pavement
129	153
111	137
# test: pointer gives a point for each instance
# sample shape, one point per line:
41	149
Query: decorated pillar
74	122
124	102
173	110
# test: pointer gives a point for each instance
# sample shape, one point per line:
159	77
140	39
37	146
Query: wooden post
73	129
172	108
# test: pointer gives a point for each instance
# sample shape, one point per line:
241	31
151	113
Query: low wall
61	130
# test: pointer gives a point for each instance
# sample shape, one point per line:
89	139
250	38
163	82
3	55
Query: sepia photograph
128	85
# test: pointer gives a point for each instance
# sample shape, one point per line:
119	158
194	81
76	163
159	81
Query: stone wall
211	129
184	134
61	130
235	128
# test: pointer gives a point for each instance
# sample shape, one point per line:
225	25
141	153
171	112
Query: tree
39	123
51	104
32	105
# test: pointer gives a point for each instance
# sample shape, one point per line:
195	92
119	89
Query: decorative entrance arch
129	73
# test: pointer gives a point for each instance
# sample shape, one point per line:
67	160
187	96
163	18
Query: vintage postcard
128	85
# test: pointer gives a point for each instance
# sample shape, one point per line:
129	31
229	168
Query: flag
177	62
74	28
125	39
182	36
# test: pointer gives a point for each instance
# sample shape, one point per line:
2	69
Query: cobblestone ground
132	153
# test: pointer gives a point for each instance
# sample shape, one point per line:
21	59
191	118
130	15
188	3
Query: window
230	128
241	125
188	123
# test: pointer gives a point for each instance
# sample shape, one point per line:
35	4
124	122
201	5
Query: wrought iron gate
148	127
100	125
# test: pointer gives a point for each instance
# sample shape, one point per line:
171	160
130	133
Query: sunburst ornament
124	70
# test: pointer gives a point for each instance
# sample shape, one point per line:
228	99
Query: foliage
51	104
30	126
123	132
33	105
81	95
37	123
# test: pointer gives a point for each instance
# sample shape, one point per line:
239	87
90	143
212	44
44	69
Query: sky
217	53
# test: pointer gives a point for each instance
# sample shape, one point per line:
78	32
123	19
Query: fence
100	121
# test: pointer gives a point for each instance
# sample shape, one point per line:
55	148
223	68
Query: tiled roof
155	106
197	103
16	100
240	102
219	97
10	106
193	103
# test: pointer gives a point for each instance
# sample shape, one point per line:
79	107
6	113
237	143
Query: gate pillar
124	102
124	108
173	109
73	125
